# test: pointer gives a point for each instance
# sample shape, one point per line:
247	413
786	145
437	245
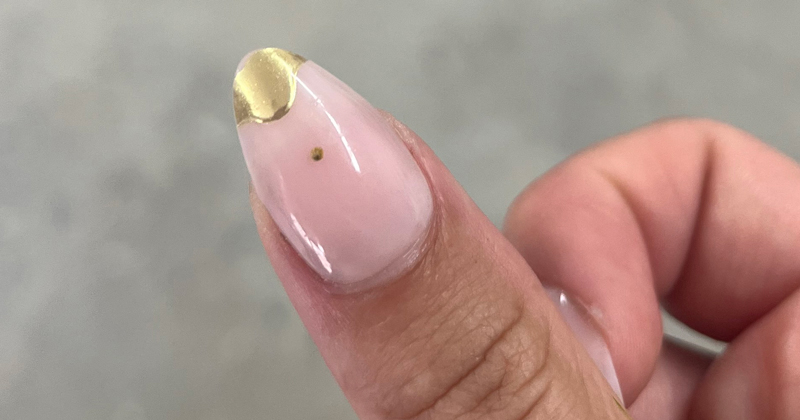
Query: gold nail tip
265	85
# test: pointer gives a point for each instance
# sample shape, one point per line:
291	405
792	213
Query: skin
692	214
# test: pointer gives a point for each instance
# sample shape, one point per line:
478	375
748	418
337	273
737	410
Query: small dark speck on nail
317	153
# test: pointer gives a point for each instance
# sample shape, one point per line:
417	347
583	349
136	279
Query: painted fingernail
333	174
586	331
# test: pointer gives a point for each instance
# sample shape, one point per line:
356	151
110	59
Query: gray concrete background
132	283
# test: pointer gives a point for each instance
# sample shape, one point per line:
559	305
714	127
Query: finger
419	305
758	376
668	394
693	212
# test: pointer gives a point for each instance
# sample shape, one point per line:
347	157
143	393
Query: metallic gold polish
264	89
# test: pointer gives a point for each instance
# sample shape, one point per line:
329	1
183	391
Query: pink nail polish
579	320
335	177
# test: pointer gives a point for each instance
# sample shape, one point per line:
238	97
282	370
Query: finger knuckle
485	360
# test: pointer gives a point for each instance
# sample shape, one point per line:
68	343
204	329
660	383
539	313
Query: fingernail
585	329
333	174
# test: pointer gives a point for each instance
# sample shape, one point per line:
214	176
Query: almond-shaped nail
333	174
580	321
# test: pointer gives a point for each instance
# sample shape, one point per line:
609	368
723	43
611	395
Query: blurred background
132	282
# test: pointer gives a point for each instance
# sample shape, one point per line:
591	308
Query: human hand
422	309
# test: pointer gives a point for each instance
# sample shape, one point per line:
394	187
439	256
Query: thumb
420	307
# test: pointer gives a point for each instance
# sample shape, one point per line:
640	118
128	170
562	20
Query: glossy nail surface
339	183
585	329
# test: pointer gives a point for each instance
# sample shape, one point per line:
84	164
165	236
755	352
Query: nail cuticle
396	270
